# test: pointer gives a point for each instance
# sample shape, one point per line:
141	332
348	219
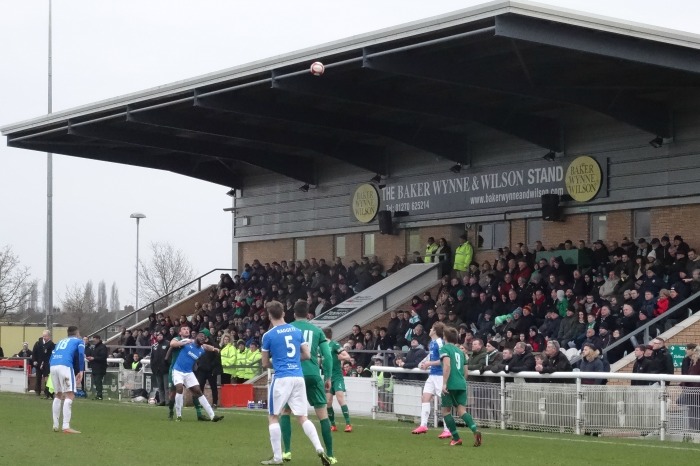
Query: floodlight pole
138	217
49	203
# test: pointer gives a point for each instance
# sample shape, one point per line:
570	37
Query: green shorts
337	385
454	398
171	385
315	391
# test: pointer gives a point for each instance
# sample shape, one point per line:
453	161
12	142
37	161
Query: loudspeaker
385	225
550	207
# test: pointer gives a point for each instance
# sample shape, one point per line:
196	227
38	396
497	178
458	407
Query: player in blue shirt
283	349
183	375
433	386
67	366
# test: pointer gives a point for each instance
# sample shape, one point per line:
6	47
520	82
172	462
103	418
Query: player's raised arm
210	348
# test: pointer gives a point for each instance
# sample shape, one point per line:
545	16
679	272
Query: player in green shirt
315	385
337	381
454	388
171	356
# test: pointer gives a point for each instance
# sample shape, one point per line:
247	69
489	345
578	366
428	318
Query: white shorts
433	385
63	379
186	378
288	391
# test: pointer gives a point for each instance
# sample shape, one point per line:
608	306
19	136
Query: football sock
286	427
275	441
67	403
310	431
171	405
207	407
450	423
327	436
331	415
469	421
424	414
197	406
56	410
178	404
346	413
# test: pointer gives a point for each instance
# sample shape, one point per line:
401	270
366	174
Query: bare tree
102	297
168	270
14	281
34	297
114	298
79	307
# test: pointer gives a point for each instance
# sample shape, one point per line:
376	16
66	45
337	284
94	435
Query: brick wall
619	225
574	228
518	233
680	220
320	247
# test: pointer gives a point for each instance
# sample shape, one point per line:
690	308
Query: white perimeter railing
556	402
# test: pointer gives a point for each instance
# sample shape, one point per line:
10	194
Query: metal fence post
503	403
662	411
579	401
375	396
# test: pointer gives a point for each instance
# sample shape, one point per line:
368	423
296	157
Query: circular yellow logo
583	178
365	203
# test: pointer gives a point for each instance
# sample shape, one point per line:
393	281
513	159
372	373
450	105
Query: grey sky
114	47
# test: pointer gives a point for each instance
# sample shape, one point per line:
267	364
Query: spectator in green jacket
462	257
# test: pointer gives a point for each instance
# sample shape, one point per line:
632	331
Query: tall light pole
138	216
49	202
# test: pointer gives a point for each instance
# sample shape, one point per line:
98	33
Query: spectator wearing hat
535	339
591	362
239	362
642	365
550	327
567	327
96	355
453	319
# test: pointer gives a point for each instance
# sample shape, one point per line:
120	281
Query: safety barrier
557	402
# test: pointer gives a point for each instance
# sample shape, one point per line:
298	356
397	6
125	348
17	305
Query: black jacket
41	354
99	353
158	352
557	363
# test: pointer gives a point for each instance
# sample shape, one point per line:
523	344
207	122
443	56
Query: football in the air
317	68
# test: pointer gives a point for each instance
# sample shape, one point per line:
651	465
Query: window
299	249
369	244
599	227
493	235
534	231
642	224
340	246
413	239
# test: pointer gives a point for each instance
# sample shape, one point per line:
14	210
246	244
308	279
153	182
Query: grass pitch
124	433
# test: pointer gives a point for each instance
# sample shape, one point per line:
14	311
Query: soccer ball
317	68
151	401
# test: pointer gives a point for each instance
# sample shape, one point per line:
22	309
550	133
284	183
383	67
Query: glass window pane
369	244
642	224
534	231
500	235
413	241
340	246
599	227
485	236
300	249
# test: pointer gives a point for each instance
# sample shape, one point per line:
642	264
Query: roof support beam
443	143
653	117
180	163
365	156
597	42
297	168
541	131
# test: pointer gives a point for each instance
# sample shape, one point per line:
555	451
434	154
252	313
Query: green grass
125	433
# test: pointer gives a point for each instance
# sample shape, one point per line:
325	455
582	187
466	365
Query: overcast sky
103	49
